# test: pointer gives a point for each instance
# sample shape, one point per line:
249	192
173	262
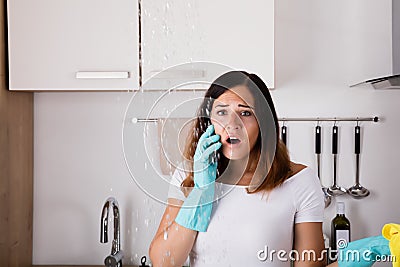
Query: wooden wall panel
16	168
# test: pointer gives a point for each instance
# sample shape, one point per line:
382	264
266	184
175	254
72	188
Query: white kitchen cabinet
73	44
238	34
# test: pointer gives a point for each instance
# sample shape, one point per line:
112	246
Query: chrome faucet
115	258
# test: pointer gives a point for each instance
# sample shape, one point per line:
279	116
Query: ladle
327	197
357	190
284	134
335	189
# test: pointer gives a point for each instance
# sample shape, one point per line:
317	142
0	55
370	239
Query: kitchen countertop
52	265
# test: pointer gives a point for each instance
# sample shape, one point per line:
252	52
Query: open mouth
233	140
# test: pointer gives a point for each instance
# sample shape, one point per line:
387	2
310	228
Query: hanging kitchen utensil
327	197
335	190
284	134
357	190
318	149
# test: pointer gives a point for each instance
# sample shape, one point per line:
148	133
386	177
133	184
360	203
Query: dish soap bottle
340	231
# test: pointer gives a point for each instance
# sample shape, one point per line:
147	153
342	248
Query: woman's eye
245	113
221	112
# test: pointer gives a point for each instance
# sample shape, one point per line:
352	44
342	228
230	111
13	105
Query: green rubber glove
195	212
364	252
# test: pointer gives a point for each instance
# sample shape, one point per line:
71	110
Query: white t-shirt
249	229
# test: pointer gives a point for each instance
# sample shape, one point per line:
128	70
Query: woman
242	202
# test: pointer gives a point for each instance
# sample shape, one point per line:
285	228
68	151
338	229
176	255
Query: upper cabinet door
235	34
73	44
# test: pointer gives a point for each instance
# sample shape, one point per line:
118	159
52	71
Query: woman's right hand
195	212
180	224
204	168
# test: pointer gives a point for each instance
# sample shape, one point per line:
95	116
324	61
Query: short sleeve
174	190
308	198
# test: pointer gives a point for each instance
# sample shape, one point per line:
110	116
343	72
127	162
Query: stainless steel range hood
392	81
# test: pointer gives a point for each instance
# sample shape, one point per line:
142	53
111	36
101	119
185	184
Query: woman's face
234	120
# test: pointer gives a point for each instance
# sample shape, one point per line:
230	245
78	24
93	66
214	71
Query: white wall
321	48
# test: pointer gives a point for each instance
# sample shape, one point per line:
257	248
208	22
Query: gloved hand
364	252
195	212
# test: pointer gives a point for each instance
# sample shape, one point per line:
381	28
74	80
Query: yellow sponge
391	232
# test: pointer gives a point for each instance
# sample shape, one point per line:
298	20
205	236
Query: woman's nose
233	122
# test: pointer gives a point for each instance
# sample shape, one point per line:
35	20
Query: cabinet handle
102	75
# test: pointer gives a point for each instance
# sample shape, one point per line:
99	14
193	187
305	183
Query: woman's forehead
240	94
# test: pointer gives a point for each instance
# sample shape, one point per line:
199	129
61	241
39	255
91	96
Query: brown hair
269	154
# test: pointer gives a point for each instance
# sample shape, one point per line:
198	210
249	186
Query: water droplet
165	235
146	222
145	166
168	253
136	229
